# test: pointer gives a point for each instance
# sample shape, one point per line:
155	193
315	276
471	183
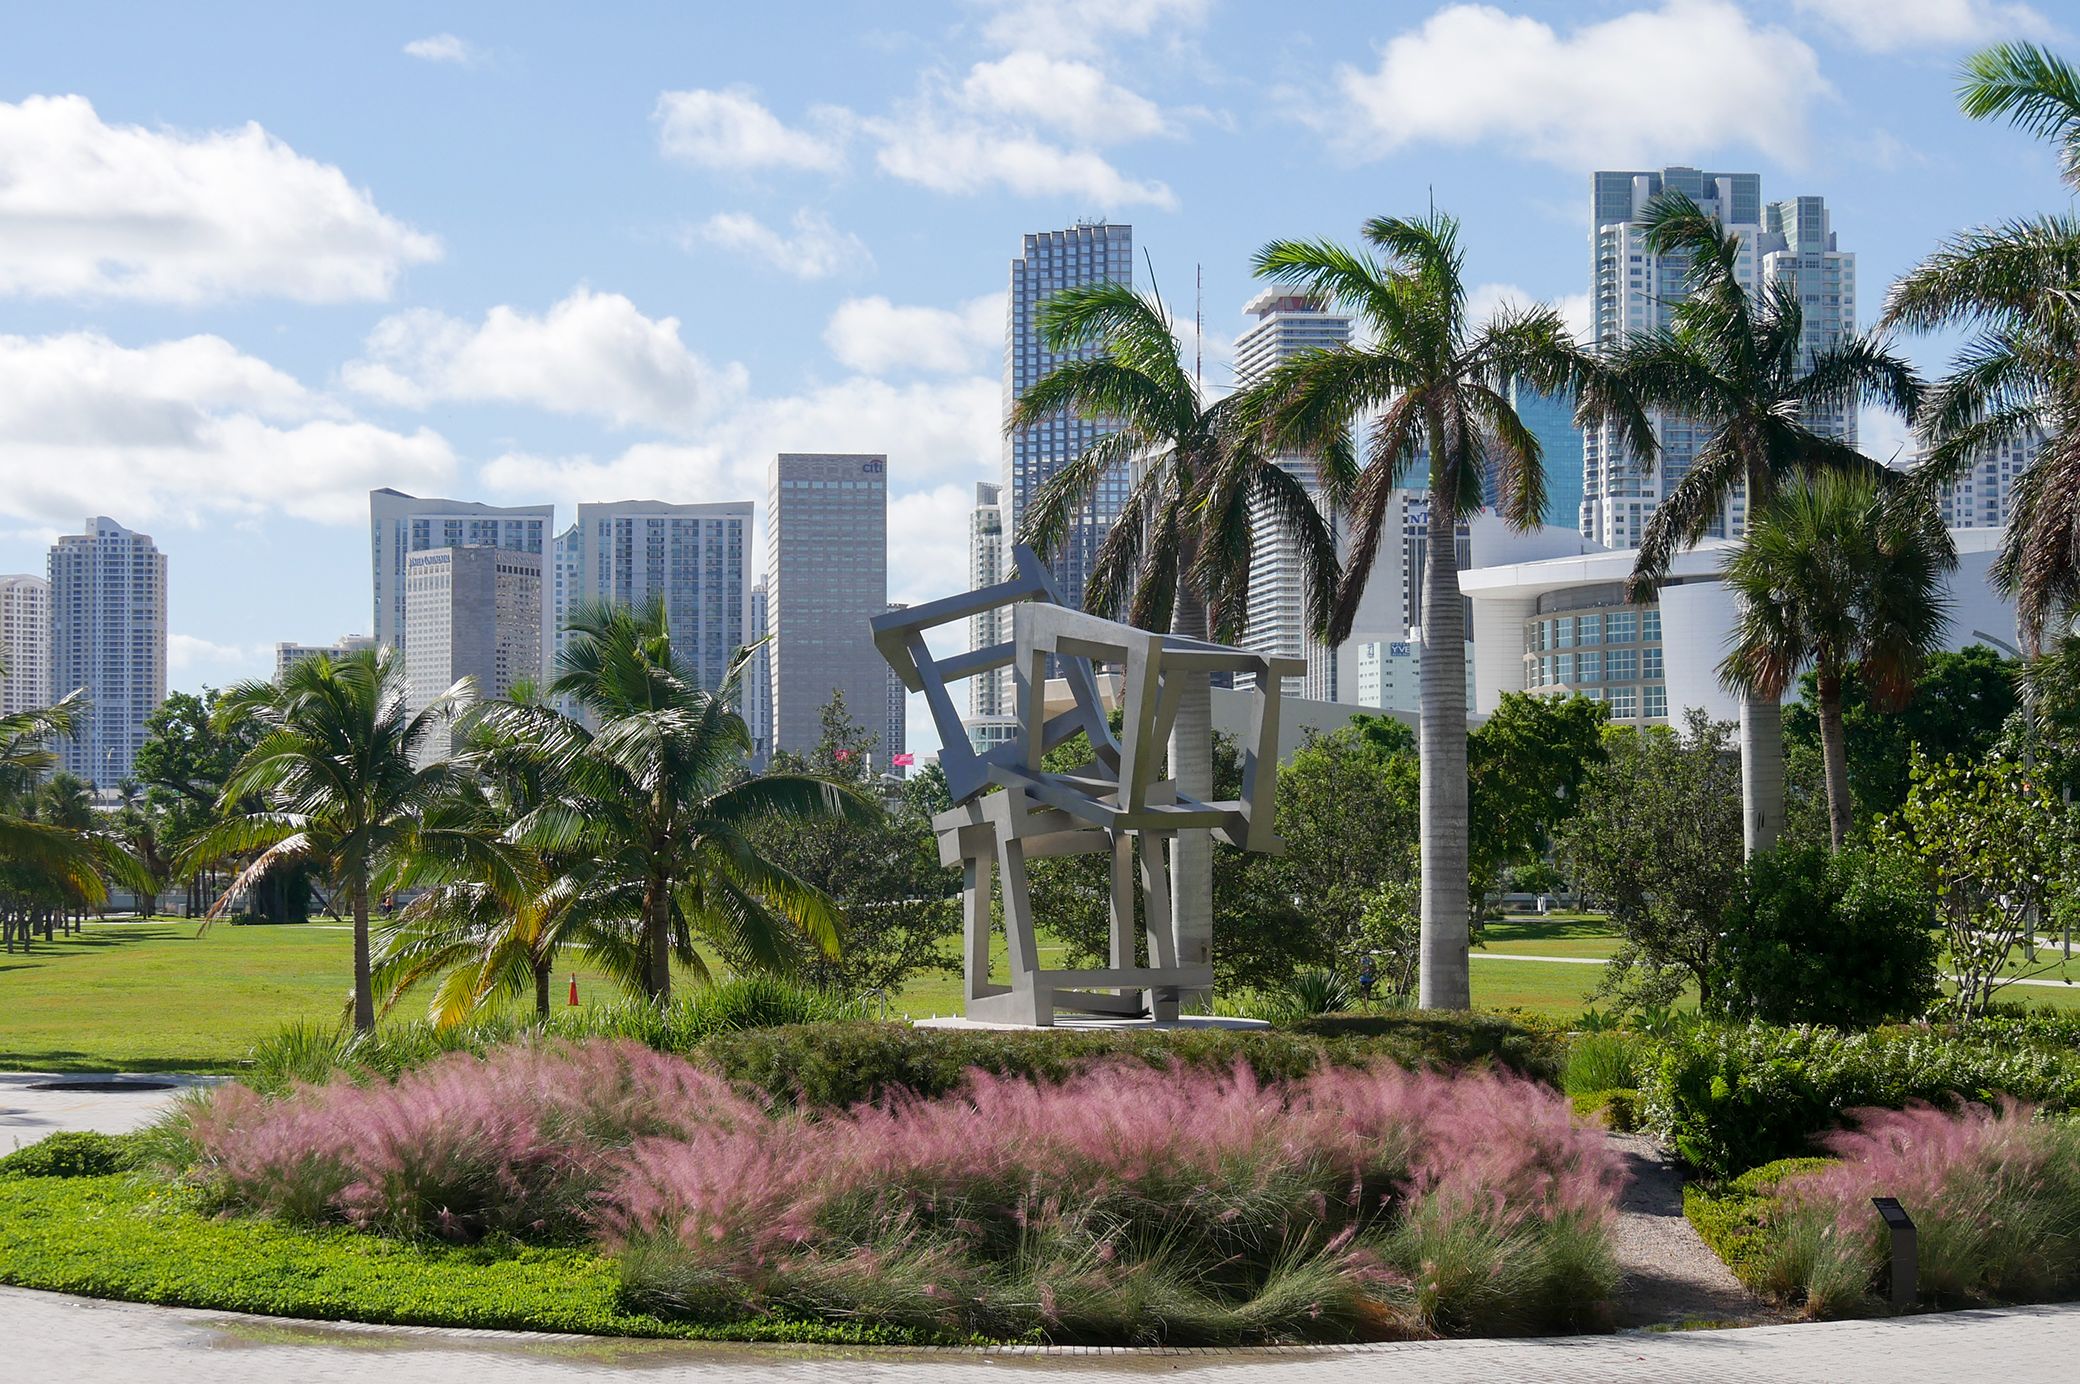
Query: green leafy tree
342	768
2010	287
1347	810
1427	388
1736	365
43	858
1834	575
900	906
188	753
1525	768
1656	843
1178	556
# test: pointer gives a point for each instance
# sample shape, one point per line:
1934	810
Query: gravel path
1670	1275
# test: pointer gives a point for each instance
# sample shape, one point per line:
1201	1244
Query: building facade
563	579
1086	253
1550	419
826	579
1286	325
287	656
471	612
1984	497
25	644
108	638
895	739
636	552
989	558
758	682
400	525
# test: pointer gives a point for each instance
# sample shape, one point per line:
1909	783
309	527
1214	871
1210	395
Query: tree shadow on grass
1536	929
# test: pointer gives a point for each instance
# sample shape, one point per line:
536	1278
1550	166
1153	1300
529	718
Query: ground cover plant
1129	1202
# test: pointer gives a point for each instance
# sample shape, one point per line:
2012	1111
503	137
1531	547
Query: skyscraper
895	739
25	644
470	613
826	579
287	655
1984	497
403	524
1287	324
1088	252
563	583
634	552
1550	418
988	560
108	636
758	682
1789	242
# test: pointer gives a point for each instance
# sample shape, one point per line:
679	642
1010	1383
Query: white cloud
954	153
730	130
187	653
592	354
1676	81
877	337
89	209
1087	26
1482	300
1073	97
1887	26
444	48
816	250
185	429
1884	435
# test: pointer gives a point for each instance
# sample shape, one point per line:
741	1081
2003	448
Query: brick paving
49	1337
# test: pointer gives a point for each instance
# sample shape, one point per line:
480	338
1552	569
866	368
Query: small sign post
1906	1265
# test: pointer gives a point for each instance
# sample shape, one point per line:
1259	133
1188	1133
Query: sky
257	259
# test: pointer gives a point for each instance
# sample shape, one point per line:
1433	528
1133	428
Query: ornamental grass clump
1994	1193
1129	1204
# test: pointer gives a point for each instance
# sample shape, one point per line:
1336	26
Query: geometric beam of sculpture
1008	809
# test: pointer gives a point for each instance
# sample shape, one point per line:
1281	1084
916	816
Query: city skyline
641	255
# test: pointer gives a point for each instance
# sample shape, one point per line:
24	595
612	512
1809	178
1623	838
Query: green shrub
1616	1109
1602	1061
1733	1217
1820	937
74	1154
1727	1099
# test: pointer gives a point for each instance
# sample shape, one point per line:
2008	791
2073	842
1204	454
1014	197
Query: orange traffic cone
574	991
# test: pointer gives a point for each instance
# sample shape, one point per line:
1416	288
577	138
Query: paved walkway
33	1104
51	1337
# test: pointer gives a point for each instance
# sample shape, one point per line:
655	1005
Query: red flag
902	761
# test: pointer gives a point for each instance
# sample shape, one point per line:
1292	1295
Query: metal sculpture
1008	810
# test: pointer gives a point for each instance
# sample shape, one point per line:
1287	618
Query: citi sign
872	468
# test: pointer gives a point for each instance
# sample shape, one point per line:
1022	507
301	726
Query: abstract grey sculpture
1007	810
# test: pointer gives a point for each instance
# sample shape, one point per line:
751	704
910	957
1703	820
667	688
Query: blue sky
257	259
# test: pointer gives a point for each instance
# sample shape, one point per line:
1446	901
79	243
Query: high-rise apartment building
691	556
826	579
1287	324
108	637
895	739
1087	253
989	558
25	644
564	560
758	682
1791	243
471	612
287	655
1984	497
401	525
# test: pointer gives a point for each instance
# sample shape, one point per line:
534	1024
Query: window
1563	632
1621	665
1624	703
1650	626
1566	668
1650	663
1588	667
1590	628
1624	626
1657	701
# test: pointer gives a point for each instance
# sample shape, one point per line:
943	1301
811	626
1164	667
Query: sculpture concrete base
1084	1023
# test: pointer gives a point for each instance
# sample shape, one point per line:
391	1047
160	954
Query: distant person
1368	978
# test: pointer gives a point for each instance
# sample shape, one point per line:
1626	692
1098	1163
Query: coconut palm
1429	388
651	802
1178	558
56	855
1836	576
343	768
2016	288
1734	362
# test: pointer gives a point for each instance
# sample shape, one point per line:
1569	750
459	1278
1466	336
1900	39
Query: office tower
1636	291
564	553
108	637
826	579
25	644
1287	324
1550	418
989	694
1088	252
636	552
287	655
758	682
1800	254
896	739
401	525
471	612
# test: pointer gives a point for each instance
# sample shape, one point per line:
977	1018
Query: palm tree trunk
1762	774
541	990
364	991
1444	983
657	929
1191	764
1834	753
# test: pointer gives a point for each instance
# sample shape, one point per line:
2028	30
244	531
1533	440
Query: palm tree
57	855
1178	557
343	767
2016	288
649	799
1837	576
1427	384
1734	362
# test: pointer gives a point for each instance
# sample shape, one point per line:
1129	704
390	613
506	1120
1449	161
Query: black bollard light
1906	1259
